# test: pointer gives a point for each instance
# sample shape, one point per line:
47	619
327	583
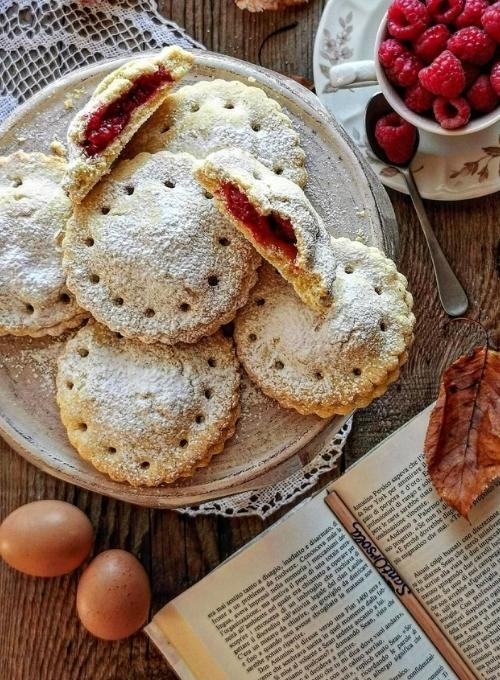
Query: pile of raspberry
443	56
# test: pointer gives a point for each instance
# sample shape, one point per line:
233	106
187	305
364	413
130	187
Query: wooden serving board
342	189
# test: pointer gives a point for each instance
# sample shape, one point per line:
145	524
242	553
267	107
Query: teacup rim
423	123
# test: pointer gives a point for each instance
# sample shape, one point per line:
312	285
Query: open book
372	578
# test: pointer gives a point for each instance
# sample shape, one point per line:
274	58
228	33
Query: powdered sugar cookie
212	115
147	414
275	215
121	103
34	299
335	363
150	256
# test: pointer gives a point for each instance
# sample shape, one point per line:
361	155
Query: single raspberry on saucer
418	99
407	19
432	42
444	11
472	44
445	76
401	66
396	137
481	96
491	21
495	77
471	13
451	113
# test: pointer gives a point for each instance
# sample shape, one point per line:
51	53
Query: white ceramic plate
445	169
342	189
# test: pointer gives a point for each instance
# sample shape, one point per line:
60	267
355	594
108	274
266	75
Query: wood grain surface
40	638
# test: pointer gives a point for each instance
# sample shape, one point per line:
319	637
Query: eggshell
46	538
113	595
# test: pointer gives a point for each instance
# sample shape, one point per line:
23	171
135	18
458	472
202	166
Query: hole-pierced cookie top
140	413
150	256
33	211
212	115
328	364
278	219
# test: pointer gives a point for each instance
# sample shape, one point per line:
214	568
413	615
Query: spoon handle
452	295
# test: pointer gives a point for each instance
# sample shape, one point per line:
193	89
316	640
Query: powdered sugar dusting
33	210
147	414
212	115
313	271
34	363
150	256
329	364
84	171
28	369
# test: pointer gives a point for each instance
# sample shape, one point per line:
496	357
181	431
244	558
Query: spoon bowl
451	294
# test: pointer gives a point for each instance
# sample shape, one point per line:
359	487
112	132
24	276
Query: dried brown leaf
261	5
462	446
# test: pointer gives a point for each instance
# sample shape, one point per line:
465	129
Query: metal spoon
452	295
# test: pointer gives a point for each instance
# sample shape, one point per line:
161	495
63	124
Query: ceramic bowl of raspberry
438	63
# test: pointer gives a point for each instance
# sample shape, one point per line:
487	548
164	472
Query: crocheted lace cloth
40	41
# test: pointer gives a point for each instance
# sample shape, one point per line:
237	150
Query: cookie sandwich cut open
275	215
121	103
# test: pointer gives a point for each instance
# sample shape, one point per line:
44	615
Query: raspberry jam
271	231
105	124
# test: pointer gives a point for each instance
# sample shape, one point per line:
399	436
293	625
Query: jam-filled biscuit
34	299
328	364
147	414
121	103
151	257
212	115
275	215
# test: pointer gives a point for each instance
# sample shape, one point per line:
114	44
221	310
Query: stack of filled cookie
162	247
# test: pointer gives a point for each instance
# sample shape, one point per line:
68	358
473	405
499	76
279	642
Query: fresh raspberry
444	11
396	137
495	77
471	74
481	96
418	99
472	12
472	44
389	51
407	19
445	76
432	42
491	21
451	113
401	66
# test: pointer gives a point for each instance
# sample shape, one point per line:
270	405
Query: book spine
369	548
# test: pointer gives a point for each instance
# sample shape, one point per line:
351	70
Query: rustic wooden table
40	637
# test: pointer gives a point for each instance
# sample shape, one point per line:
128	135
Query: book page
300	603
450	564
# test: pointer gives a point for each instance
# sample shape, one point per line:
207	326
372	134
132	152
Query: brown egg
113	595
46	538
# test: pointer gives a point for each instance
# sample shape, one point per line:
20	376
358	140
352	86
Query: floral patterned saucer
446	169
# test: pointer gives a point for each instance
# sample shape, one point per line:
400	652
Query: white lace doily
263	502
41	40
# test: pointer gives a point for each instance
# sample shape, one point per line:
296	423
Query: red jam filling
271	231
105	124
